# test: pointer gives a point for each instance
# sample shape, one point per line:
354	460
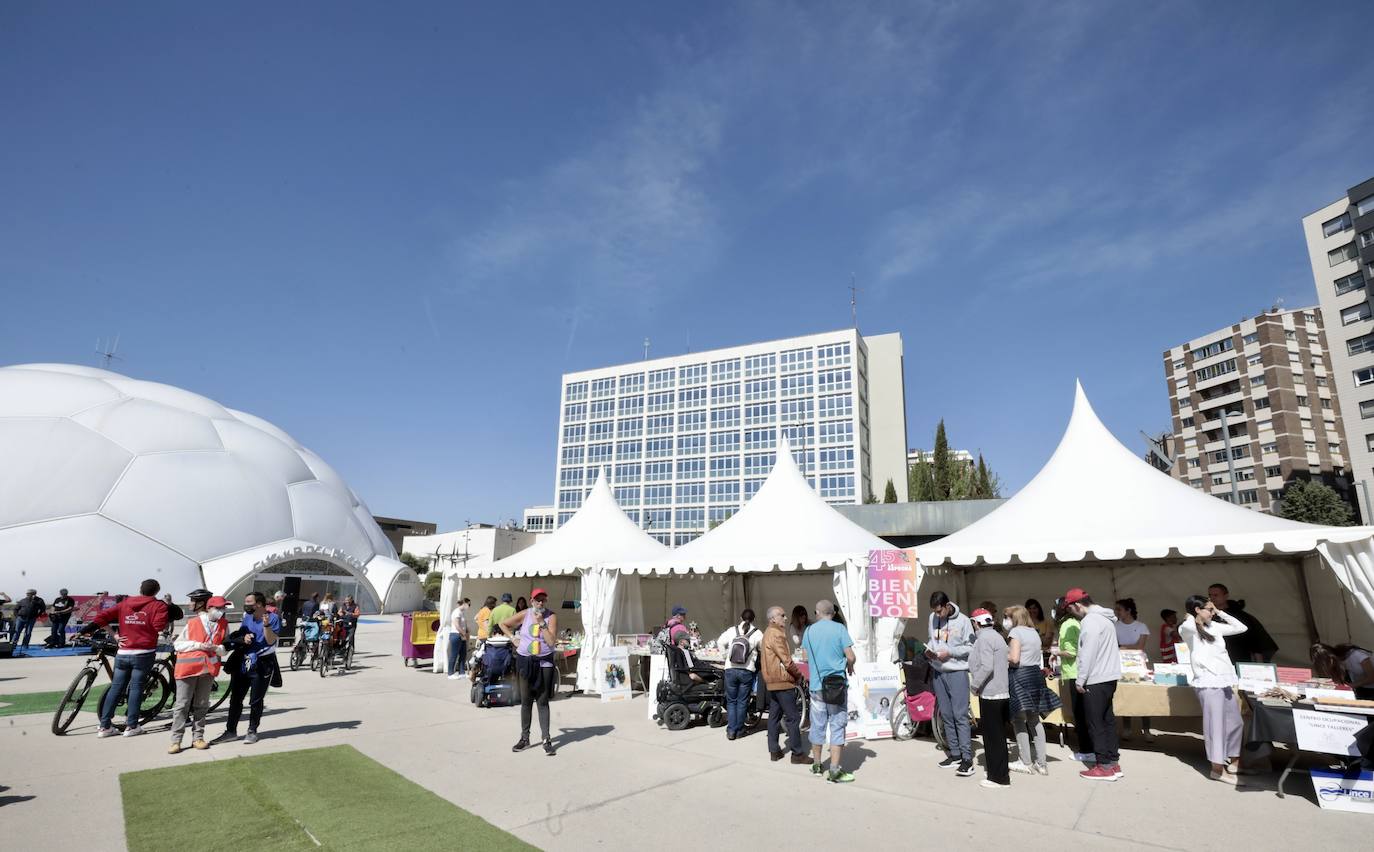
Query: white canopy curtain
1095	503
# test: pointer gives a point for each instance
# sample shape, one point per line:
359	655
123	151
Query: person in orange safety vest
199	647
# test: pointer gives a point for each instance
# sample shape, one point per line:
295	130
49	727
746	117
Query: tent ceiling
1095	499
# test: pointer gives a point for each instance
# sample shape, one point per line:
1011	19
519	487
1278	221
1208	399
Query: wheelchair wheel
902	726
676	717
476	691
716	717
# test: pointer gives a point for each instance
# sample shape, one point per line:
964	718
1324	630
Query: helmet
200	595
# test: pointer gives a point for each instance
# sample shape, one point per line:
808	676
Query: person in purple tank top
534	631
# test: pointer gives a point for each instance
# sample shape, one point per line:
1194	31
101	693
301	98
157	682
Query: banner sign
874	690
1344	791
613	673
892	584
1328	733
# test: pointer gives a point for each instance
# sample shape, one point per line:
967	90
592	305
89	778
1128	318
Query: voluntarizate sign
892	584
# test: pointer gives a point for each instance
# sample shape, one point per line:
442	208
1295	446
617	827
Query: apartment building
1340	243
689	439
1253	409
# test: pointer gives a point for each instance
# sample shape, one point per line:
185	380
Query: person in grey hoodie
987	669
1099	668
951	641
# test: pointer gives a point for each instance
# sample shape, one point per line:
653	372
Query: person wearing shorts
830	655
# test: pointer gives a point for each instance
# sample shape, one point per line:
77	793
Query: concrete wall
887	413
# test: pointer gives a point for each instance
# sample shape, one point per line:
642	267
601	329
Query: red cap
982	615
1073	596
218	601
537	592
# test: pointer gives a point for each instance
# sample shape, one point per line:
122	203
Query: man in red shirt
140	618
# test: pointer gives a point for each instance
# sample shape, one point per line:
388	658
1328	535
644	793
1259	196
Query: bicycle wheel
219	693
157	694
348	659
297	656
326	657
73	700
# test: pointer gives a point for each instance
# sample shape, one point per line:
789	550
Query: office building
538	519
688	439
916	456
396	529
1340	242
1253	409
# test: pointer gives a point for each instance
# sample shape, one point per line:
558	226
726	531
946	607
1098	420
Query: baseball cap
679	610
981	616
1073	596
218	601
505	597
537	592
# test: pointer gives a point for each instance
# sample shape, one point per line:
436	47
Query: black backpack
740	649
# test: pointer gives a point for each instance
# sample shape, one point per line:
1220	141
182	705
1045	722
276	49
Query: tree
940	463
434	582
890	493
415	563
920	486
1314	503
984	490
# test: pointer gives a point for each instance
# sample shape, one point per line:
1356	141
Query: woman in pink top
534	631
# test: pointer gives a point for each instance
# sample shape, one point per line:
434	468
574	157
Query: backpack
740	649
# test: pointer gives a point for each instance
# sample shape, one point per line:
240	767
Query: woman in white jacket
1214	680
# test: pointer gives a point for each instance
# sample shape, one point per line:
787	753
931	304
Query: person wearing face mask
199	647
252	666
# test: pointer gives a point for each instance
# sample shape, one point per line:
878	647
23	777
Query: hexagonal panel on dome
263	450
380	543
168	395
53	468
144	426
40	393
55	554
324	473
322	517
203	505
269	428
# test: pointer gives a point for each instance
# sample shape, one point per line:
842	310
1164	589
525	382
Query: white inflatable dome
109	480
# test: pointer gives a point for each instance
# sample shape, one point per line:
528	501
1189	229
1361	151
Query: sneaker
965	769
1098	773
775	756
1042	769
200	745
950	760
802	759
105	732
548	747
133	731
1225	778
840	777
251	738
175	748
1115	769
1149	736
816	769
989	784
1023	768
226	737
454	676
523	744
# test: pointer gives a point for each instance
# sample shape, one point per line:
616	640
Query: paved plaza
621	782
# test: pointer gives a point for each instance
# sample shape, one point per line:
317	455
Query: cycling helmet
201	595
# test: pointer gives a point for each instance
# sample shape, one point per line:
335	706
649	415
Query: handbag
835	689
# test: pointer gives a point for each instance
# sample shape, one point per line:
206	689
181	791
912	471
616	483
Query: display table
1272	721
1132	699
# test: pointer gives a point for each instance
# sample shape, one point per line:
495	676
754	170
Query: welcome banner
892	584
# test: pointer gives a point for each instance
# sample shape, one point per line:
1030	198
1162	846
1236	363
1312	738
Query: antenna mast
853	302
646	349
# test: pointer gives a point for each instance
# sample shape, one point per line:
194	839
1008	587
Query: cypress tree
943	476
984	490
890	493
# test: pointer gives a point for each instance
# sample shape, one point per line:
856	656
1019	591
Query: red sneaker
1099	773
1116	770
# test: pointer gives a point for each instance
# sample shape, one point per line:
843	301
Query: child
1168	636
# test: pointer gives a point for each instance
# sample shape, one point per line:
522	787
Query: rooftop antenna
646	349
107	353
853	302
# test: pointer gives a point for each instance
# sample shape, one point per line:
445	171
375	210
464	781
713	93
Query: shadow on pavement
309	729
568	736
12	800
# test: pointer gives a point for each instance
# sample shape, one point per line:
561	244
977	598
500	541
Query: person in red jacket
140	618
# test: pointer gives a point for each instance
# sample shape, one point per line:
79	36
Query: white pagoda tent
1098	517
785	546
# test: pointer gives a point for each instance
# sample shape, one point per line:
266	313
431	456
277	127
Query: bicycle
155	683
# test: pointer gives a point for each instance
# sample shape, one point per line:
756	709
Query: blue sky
390	228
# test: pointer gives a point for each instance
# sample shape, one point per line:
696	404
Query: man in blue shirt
830	655
252	666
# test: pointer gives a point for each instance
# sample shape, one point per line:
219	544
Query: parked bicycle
307	646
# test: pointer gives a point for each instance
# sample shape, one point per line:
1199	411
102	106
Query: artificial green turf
346	800
30	702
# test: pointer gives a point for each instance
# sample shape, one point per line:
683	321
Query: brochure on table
1257	677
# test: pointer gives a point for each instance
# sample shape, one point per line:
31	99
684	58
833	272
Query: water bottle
534	631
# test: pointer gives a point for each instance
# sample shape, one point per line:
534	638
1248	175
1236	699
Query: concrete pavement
621	782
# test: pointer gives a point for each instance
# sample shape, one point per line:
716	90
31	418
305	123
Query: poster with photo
874	688
613	673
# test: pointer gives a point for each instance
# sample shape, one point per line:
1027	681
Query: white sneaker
454	676
989	784
132	732
1023	768
105	732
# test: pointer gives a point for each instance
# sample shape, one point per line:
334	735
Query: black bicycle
157	688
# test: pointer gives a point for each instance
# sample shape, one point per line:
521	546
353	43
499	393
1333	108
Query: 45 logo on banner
893	576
